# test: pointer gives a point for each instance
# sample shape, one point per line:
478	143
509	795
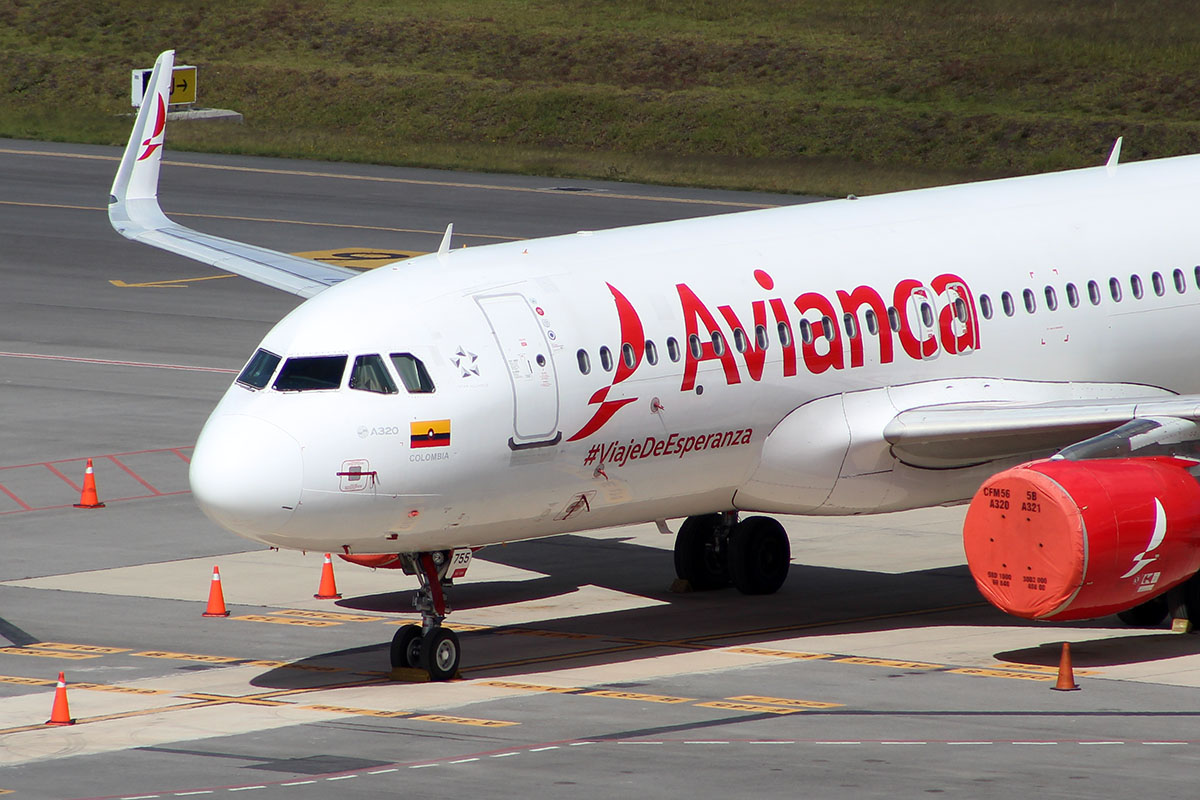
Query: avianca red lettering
923	317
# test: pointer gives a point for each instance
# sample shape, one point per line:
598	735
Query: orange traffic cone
1066	676
328	589
216	598
88	498
60	714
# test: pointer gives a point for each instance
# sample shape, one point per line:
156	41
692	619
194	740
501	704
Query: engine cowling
1064	540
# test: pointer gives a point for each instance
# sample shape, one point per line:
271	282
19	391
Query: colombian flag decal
430	433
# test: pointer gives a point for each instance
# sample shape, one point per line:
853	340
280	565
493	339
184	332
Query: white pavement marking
383	771
978	743
341	777
1100	742
544	749
463	761
297	783
505	755
247	788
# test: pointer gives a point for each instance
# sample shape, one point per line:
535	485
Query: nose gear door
530	363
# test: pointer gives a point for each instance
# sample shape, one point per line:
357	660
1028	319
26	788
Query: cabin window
871	321
1135	283
1180	281
740	342
785	334
960	309
927	315
651	353
851	325
985	305
1094	292
673	351
606	359
1114	288
1051	298
369	374
585	361
308	374
893	319
627	355
1196	272
1160	286
1006	300
413	374
806	332
1030	300
694	346
258	371
827	328
718	342
1072	295
760	337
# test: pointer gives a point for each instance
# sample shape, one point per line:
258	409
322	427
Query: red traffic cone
328	588
89	499
216	598
60	714
1066	675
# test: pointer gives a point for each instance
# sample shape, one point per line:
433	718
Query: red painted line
115	363
15	499
106	500
179	453
133	475
54	470
176	450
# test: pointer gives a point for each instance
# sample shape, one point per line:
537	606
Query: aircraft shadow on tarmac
820	599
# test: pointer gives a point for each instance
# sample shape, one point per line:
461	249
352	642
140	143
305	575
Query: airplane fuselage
748	361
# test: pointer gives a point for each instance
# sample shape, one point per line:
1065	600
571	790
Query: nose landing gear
429	646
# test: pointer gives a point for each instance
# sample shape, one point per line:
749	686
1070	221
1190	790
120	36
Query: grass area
788	95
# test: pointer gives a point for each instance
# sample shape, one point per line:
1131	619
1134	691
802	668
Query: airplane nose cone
246	474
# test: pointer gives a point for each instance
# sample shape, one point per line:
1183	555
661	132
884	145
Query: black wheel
440	653
700	553
1149	614
406	647
759	555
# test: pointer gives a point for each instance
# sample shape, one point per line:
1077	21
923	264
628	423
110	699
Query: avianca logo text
155	140
811	330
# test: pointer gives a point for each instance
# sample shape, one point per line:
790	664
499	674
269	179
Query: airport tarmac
876	671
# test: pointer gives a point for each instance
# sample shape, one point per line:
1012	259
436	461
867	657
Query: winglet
137	177
1114	156
444	248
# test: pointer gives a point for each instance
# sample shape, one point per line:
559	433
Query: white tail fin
134	212
137	178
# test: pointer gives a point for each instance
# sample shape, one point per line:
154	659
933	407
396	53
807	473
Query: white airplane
846	357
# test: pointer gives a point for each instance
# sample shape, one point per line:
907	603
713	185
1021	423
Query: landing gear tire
440	654
699	553
759	555
406	647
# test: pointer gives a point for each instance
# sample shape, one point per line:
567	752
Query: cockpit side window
258	371
310	373
370	375
413	373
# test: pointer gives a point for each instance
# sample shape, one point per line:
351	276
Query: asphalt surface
877	671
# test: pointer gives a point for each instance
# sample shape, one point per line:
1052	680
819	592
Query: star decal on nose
465	360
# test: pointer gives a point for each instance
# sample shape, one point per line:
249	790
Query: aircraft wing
962	434
134	212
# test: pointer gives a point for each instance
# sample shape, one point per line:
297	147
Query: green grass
805	95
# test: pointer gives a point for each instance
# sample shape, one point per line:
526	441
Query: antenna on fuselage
1114	156
444	248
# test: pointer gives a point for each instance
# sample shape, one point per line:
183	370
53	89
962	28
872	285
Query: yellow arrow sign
178	283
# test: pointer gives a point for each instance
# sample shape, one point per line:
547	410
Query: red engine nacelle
1062	540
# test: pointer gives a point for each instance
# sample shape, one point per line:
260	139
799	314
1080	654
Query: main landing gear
715	550
429	646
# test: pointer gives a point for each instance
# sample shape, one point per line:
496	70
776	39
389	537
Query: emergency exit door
526	352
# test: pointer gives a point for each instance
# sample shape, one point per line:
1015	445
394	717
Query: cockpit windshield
310	373
370	375
259	369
